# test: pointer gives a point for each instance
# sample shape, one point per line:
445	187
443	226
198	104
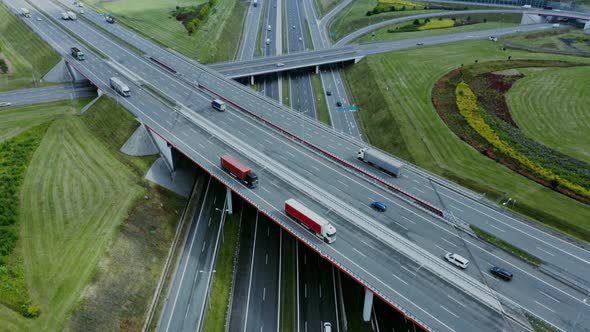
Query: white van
327	327
268	28
267	41
457	260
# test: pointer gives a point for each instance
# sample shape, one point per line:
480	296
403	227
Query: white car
5	104
457	260
280	64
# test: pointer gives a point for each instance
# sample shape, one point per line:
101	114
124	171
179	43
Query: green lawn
28	56
288	287
223	278
323	113
353	17
554	39
550	107
74	196
216	40
325	6
383	35
393	92
14	120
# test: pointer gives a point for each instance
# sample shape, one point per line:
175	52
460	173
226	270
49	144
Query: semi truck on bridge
76	53
237	169
381	160
311	220
119	86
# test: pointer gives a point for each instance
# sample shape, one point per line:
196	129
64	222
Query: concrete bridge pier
164	149
368	305
529	18
228	201
587	27
317	69
252	80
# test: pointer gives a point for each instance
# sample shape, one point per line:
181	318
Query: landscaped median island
471	100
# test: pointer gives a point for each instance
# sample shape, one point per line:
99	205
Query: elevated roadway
202	134
47	94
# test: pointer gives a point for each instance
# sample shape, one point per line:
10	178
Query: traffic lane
310	317
240	298
46	94
269	274
199	290
247	49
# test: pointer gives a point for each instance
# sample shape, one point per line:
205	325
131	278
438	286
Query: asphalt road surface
184	308
567	309
47	94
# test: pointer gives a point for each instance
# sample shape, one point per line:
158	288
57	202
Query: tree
403	7
416	22
468	18
369	13
440	18
485	20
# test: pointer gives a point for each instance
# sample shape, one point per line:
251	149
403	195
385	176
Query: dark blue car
379	206
502	273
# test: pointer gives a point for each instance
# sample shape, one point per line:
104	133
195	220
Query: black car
502	273
329	93
339	104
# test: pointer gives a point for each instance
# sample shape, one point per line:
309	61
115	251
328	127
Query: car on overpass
5	104
502	273
379	206
457	260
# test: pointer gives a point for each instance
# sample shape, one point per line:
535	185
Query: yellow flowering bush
436	24
467	104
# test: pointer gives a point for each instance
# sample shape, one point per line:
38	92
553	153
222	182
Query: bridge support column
252	80
368	305
317	69
587	27
164	149
532	19
228	201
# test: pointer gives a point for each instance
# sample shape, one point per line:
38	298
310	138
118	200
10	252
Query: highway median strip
506	247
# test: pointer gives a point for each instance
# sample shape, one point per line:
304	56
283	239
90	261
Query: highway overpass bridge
393	254
347	54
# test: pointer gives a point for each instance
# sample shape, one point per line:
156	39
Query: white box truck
120	87
381	161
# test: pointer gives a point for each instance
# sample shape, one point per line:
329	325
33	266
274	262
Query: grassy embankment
286	91
353	295
221	284
393	92
564	39
492	21
323	113
288	287
561	123
75	252
27	56
217	39
325	6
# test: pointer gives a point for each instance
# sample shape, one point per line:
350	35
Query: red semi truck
237	169
319	225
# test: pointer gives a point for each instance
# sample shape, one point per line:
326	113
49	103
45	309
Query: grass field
14	120
393	92
222	279
323	113
216	40
29	56
288	287
549	106
565	39
353	17
325	6
383	35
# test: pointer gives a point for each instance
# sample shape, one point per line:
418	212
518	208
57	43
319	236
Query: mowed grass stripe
550	107
62	248
393	90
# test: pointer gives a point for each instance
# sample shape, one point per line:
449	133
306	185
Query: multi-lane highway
47	94
250	33
427	296
184	306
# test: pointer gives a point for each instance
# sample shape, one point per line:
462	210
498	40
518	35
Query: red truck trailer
237	169
319	225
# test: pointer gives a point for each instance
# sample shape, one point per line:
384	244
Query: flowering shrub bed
471	102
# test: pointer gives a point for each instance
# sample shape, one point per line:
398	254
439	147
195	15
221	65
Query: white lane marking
452	298
400	225
449	242
400	279
359	252
441	248
545	251
422	191
343	183
456	208
544	306
409	220
549	296
500	229
447	310
410	271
